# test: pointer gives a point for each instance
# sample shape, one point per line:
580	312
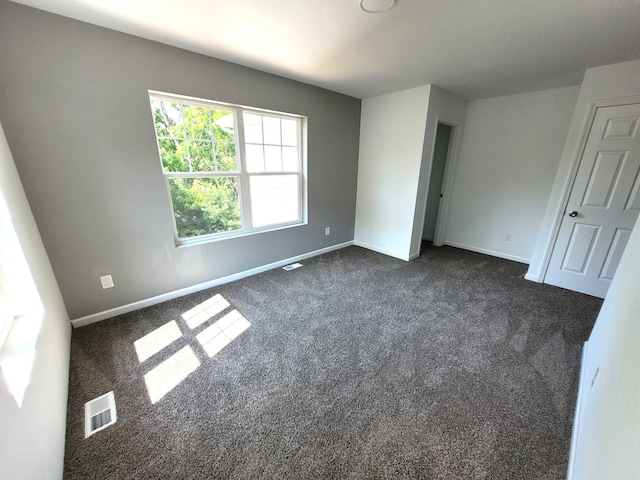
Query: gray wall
77	117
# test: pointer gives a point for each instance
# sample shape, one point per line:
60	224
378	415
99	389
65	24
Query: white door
603	204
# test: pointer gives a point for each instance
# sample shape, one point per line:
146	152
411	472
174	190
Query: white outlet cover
106	281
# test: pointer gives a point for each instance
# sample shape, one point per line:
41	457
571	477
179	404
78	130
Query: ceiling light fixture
376	6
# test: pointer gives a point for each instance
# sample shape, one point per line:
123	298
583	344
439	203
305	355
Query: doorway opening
433	219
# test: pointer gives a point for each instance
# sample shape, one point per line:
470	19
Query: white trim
582	385
493	253
381	250
533	278
112	312
177	97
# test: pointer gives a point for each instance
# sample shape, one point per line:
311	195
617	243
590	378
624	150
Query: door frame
448	178
575	165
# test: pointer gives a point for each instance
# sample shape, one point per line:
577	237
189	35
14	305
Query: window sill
232	235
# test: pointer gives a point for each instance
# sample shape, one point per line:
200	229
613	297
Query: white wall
392	133
607	82
607	429
35	357
607	434
510	152
443	106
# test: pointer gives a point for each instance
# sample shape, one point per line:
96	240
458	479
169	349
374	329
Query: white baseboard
96	317
381	250
582	385
533	278
493	253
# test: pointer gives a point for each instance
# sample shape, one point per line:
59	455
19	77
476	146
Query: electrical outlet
327	231
106	281
507	237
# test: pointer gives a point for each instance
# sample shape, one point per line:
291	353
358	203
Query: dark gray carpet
356	365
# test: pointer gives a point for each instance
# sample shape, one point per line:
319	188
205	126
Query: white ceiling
474	48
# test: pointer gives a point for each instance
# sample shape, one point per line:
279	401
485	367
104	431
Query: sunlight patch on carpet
212	339
204	311
170	373
223	332
147	346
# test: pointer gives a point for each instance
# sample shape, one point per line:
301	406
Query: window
229	170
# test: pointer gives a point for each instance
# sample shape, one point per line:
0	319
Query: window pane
274	199
223	125
162	122
290	159
168	118
289	132
272	159
252	128
197	121
201	155
173	154
255	158
194	138
205	205
271	130
226	157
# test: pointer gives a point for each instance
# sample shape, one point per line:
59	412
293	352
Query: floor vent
292	266
99	413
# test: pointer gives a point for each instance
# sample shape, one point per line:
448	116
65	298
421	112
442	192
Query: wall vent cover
293	266
99	413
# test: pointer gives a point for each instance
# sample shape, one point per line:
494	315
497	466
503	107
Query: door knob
573	213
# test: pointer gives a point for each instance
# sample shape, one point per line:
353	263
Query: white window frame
241	171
